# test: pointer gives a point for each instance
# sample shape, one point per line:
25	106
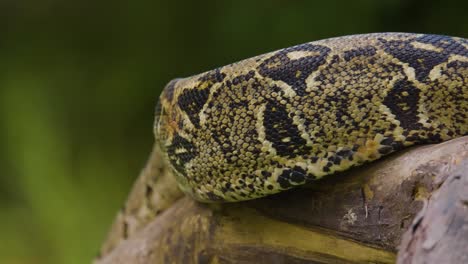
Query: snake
292	116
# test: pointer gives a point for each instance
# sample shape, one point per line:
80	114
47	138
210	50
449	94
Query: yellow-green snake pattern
292	116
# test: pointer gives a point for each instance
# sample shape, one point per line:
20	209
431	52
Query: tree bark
439	233
354	217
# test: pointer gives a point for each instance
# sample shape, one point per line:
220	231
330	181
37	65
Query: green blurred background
79	81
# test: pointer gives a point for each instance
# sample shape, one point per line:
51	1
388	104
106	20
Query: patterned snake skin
289	117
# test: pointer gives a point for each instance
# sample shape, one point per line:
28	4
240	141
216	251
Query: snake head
192	143
174	132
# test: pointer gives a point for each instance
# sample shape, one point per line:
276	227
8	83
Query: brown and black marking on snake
192	101
180	152
281	131
283	119
295	176
425	52
402	100
293	65
367	51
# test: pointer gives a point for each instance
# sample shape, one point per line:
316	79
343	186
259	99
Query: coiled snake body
292	116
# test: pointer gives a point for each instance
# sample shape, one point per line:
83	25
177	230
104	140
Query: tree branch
354	217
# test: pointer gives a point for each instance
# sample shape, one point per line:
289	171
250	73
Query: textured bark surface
439	233
354	217
153	192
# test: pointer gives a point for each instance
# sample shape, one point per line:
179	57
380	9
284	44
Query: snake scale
292	116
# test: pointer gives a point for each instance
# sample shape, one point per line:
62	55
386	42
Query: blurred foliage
79	81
